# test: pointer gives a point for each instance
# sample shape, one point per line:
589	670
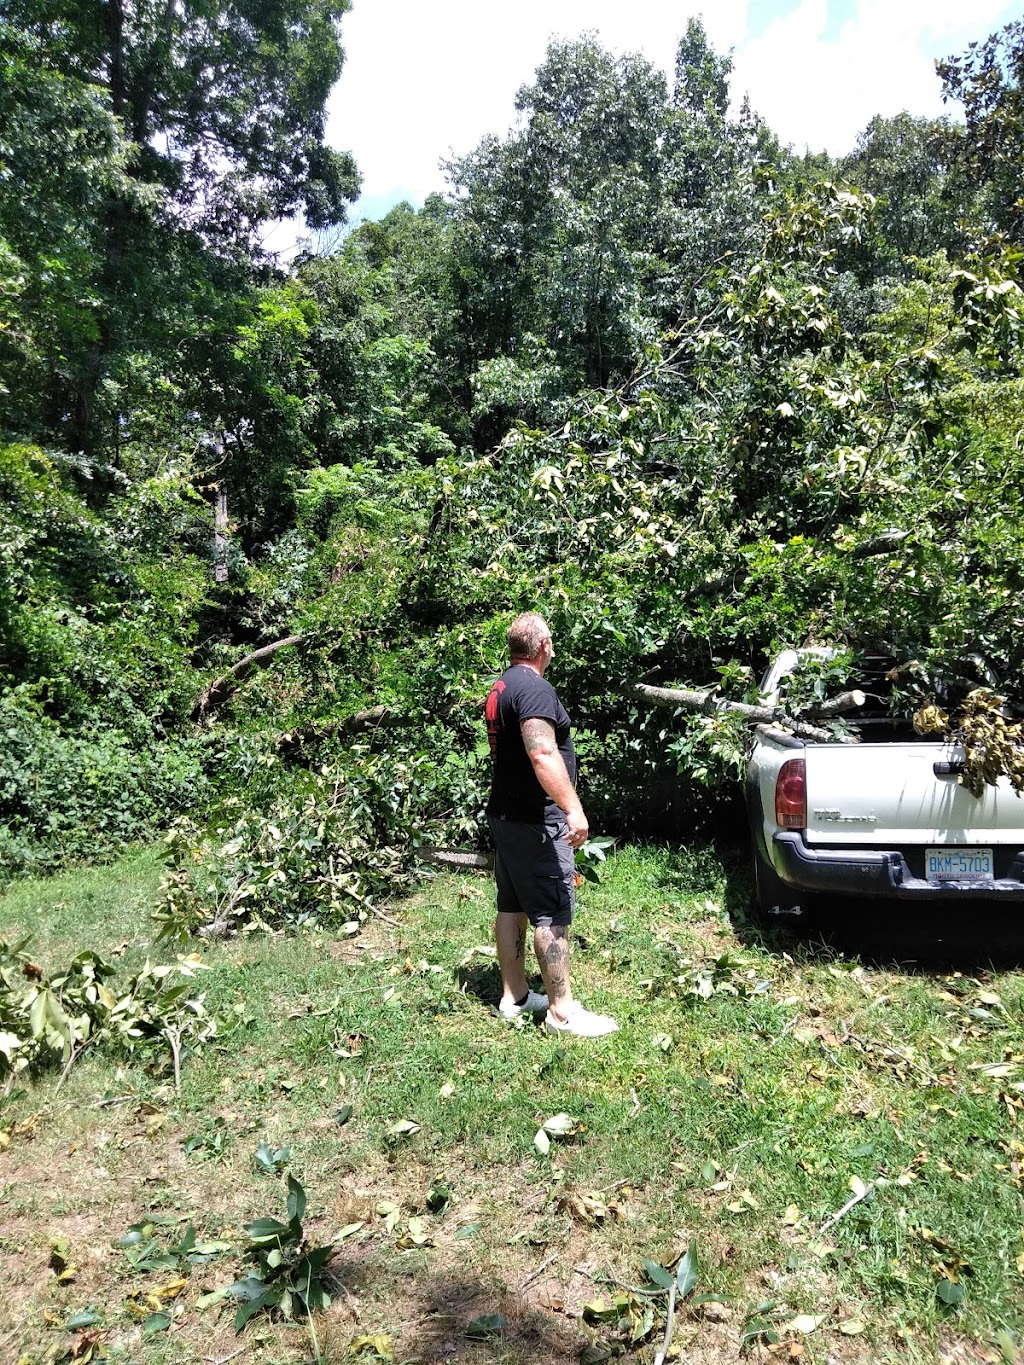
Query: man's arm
549	769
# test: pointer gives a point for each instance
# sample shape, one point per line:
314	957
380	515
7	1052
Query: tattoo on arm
538	736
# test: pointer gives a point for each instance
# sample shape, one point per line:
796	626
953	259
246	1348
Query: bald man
537	822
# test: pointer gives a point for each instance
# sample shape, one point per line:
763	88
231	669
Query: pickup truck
882	817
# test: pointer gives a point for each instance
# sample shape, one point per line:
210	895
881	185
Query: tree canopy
642	368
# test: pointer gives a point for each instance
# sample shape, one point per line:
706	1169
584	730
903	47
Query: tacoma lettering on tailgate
836	817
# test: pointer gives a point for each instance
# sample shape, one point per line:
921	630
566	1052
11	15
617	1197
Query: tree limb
880	544
373	718
221	688
863	1193
459	859
670	1324
708	704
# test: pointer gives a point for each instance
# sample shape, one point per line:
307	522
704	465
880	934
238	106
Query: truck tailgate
889	794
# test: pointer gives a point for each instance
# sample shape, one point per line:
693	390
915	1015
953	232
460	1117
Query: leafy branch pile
286	1274
993	746
324	847
49	1021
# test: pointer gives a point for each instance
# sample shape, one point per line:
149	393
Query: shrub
67	796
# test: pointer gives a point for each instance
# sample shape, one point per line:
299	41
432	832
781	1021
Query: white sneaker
581	1023
535	1003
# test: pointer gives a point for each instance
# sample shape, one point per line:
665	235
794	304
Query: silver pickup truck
884	818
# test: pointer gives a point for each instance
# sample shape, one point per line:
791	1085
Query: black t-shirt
521	694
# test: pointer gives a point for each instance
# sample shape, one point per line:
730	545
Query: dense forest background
643	368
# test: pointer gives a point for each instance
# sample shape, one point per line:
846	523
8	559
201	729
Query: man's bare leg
510	937
551	944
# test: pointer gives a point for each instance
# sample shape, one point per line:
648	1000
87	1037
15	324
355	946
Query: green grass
736	1123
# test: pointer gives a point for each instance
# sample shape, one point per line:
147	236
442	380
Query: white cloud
821	94
425	81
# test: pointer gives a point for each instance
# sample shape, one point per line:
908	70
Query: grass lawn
839	1142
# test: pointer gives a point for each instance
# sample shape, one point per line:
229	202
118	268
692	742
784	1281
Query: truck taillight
791	795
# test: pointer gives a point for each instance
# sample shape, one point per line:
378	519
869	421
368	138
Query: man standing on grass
536	823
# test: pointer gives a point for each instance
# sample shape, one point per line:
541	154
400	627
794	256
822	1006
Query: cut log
708	704
457	858
221	688
838	705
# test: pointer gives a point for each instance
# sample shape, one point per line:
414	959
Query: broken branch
221	688
850	1204
708	704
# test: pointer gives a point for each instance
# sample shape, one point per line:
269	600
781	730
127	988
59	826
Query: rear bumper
870	872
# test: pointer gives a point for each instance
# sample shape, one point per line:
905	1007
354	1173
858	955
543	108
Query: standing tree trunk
115	228
220	535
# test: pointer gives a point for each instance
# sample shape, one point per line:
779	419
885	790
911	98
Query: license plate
958	864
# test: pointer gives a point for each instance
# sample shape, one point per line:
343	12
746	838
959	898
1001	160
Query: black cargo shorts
534	869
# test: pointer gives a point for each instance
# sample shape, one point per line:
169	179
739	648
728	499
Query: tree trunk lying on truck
708	703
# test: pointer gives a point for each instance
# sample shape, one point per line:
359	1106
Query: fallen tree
383	717
707	703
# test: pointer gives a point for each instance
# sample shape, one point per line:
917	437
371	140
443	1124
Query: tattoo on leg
521	944
554	955
554	952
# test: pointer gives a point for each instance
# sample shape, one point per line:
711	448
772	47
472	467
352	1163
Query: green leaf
438	1198
269	1299
343	1115
269	1230
466	1231
658	1275
156	1322
214	1297
88	1317
488	1325
248	1289
264	1157
686	1274
950	1293
205	1251
296	1200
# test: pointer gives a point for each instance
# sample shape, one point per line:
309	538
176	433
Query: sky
425	80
